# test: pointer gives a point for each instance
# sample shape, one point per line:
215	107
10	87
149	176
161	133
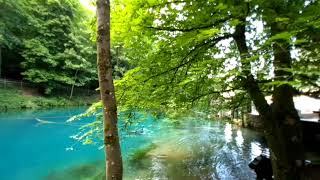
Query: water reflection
257	149
228	132
201	150
239	139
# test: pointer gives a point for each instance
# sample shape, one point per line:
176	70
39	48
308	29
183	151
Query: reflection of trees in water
202	151
232	164
233	158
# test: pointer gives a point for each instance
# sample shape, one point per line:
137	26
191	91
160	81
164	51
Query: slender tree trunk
72	87
280	120
114	167
71	92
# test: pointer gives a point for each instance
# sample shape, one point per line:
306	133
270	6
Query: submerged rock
89	171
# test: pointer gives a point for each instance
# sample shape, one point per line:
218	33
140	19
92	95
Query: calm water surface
152	149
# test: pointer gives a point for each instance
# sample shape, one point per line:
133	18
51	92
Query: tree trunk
287	148
280	120
72	87
114	167
285	116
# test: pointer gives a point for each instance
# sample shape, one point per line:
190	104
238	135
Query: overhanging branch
173	29
204	43
167	3
212	92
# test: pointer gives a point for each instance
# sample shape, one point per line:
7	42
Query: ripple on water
201	152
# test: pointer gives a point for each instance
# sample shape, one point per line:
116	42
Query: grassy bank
14	99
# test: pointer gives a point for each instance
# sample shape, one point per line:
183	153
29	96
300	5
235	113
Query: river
152	149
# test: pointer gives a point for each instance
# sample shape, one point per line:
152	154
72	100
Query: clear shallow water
152	149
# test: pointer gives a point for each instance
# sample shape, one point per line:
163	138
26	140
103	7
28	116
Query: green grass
12	98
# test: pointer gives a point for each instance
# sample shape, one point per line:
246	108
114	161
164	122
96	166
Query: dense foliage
203	54
59	51
53	38
51	43
186	54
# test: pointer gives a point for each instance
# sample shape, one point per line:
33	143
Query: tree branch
248	82
211	92
204	43
313	94
308	80
167	3
173	29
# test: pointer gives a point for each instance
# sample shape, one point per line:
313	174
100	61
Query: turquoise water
152	149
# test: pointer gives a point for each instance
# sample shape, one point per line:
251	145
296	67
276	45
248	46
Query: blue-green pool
152	149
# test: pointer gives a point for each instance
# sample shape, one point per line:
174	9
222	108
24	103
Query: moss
88	171
141	153
12	98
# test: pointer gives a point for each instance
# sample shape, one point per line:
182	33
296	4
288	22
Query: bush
12	98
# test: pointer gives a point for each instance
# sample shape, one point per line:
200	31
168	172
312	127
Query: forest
167	88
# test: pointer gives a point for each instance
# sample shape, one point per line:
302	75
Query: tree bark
280	119
284	114
114	168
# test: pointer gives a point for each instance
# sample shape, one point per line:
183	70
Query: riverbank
15	99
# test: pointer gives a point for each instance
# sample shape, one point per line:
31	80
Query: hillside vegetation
13	98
